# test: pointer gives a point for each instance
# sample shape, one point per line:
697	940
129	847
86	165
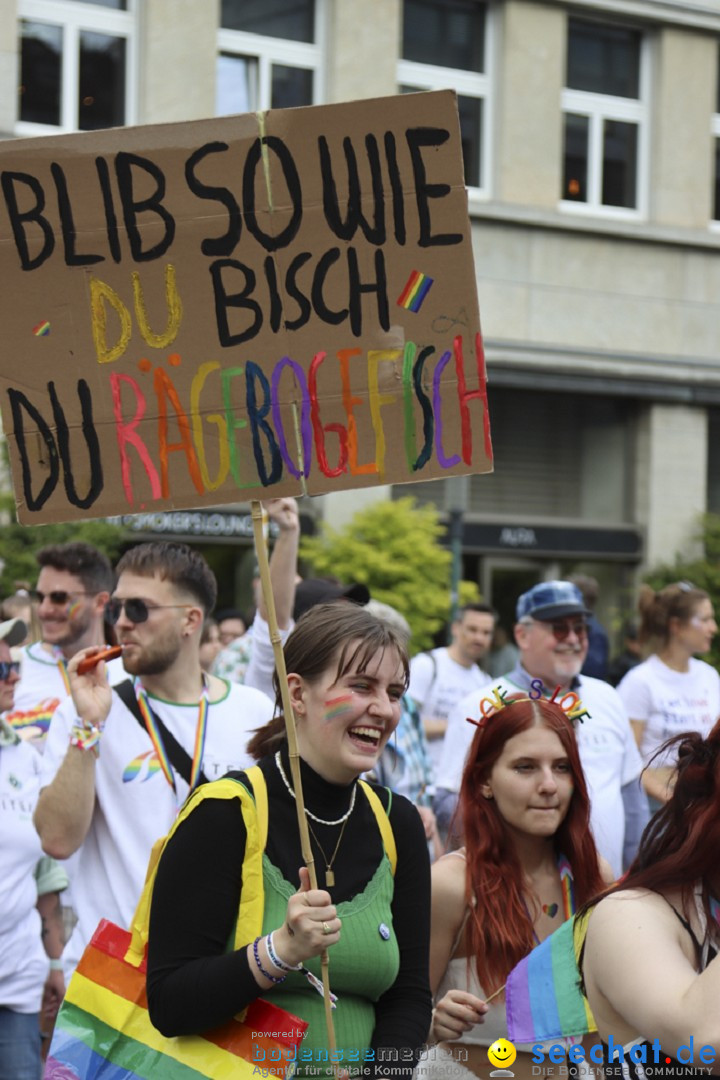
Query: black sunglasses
57	596
7	667
136	610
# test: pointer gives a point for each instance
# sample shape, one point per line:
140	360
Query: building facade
590	134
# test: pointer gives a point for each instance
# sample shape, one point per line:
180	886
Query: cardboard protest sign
271	304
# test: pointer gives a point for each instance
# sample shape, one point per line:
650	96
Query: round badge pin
383	931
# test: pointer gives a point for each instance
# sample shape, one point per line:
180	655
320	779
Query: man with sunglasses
551	634
73	587
120	761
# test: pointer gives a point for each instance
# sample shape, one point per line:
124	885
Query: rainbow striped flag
543	995
103	1028
415	291
42	329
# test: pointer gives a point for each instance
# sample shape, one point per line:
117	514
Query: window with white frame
76	60
269	55
604	107
716	141
445	46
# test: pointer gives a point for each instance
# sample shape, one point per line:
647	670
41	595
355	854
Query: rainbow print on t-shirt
141	768
33	723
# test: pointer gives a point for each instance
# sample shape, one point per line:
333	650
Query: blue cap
551	600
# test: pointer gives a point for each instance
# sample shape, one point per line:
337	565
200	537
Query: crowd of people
533	793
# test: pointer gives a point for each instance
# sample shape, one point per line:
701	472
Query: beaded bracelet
282	966
275	959
86	738
261	969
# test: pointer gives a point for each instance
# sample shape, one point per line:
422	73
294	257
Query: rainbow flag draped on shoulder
542	993
103	1029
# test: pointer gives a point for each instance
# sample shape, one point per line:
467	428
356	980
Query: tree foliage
703	572
395	549
19	544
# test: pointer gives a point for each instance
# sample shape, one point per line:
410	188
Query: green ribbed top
363	965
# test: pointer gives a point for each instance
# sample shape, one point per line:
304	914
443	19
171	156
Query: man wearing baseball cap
551	634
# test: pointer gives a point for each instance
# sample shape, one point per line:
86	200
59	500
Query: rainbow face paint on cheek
73	609
339	706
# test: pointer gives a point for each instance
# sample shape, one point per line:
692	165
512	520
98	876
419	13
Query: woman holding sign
528	857
347	672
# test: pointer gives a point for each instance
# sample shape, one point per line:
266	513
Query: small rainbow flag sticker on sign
415	291
42	329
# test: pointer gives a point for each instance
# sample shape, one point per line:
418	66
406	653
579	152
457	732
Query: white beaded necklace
309	813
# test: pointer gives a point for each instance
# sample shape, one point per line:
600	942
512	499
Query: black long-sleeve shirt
194	984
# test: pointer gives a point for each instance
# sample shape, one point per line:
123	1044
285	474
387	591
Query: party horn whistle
89	662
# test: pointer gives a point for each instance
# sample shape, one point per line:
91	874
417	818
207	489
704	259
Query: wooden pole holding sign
264	567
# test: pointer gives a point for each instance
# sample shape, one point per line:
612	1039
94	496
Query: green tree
20	543
395	549
703	572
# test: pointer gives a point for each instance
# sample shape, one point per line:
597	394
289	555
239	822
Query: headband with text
569	702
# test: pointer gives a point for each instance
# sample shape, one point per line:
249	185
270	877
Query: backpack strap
433	661
383	821
252	896
254	806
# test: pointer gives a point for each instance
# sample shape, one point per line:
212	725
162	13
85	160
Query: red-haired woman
651	965
528	856
671	692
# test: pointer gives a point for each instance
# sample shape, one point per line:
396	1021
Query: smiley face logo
502	1053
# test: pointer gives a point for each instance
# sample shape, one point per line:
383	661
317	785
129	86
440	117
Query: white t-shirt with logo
40	690
437	683
38	693
608	753
23	963
670	702
134	804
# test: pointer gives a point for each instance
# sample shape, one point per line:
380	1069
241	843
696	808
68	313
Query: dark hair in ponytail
681	842
656	609
340	634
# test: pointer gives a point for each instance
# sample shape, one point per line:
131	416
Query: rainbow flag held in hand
542	993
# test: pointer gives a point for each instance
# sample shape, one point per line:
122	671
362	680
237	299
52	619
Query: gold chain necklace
329	875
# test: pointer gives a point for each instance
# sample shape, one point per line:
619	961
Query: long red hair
500	930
